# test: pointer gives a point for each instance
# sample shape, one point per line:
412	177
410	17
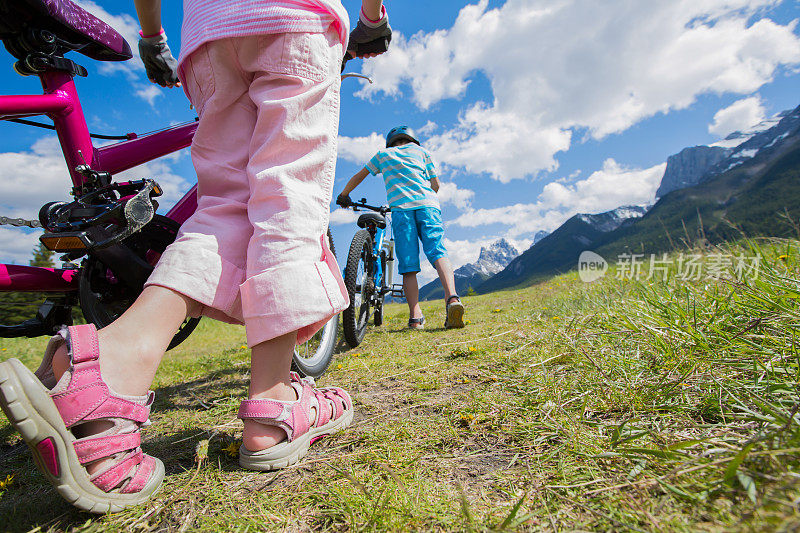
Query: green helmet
400	132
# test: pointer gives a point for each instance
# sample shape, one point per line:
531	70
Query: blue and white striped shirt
407	171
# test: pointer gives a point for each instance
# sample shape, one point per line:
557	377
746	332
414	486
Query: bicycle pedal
397	290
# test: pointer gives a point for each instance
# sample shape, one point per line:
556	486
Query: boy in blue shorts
411	185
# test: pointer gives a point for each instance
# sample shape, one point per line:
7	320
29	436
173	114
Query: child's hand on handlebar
343	200
369	31
161	66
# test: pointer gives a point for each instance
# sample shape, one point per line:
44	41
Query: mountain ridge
758	179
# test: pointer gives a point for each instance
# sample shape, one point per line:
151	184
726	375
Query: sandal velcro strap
84	343
263	408
65	410
120	408
93	448
420	321
77	402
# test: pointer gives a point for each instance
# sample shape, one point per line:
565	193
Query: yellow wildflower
243	347
9	479
339	366
472	348
783	257
232	449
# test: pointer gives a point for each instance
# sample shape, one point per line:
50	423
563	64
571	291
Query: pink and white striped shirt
209	20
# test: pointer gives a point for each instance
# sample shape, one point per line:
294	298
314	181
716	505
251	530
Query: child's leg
293	285
445	271
406	244
431	233
411	291
269	378
131	348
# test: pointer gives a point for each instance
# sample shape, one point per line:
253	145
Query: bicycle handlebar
363	204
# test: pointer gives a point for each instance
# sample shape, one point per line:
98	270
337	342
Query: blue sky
535	110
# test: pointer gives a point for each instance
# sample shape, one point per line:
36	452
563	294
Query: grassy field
617	405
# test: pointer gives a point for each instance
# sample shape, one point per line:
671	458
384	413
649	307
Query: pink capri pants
255	251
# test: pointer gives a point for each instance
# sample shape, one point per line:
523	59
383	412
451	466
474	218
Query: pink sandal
334	409
45	412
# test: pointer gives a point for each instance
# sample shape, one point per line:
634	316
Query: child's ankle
257	436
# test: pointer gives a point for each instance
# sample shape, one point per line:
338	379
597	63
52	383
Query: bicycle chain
19	222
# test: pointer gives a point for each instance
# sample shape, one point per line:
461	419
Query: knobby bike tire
356	317
378	316
313	357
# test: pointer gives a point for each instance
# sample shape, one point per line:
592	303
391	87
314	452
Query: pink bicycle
110	228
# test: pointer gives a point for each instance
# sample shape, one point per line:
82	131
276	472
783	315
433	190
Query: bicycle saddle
373	218
86	33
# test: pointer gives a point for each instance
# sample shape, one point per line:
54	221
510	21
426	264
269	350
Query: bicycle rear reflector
65	242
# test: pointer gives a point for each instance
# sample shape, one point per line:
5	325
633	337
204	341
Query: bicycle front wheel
314	356
360	284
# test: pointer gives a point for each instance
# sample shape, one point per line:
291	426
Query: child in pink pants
264	78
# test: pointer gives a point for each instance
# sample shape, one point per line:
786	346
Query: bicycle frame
60	102
378	246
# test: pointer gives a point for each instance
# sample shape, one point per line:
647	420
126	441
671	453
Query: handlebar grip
378	46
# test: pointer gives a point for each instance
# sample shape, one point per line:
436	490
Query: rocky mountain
764	138
687	167
698	163
754	191
538	236
560	250
491	260
611	220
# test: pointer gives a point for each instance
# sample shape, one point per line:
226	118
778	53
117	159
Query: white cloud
428	128
17	244
449	193
148	93
505	145
578	64
359	150
341	217
738	116
606	189
30	179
